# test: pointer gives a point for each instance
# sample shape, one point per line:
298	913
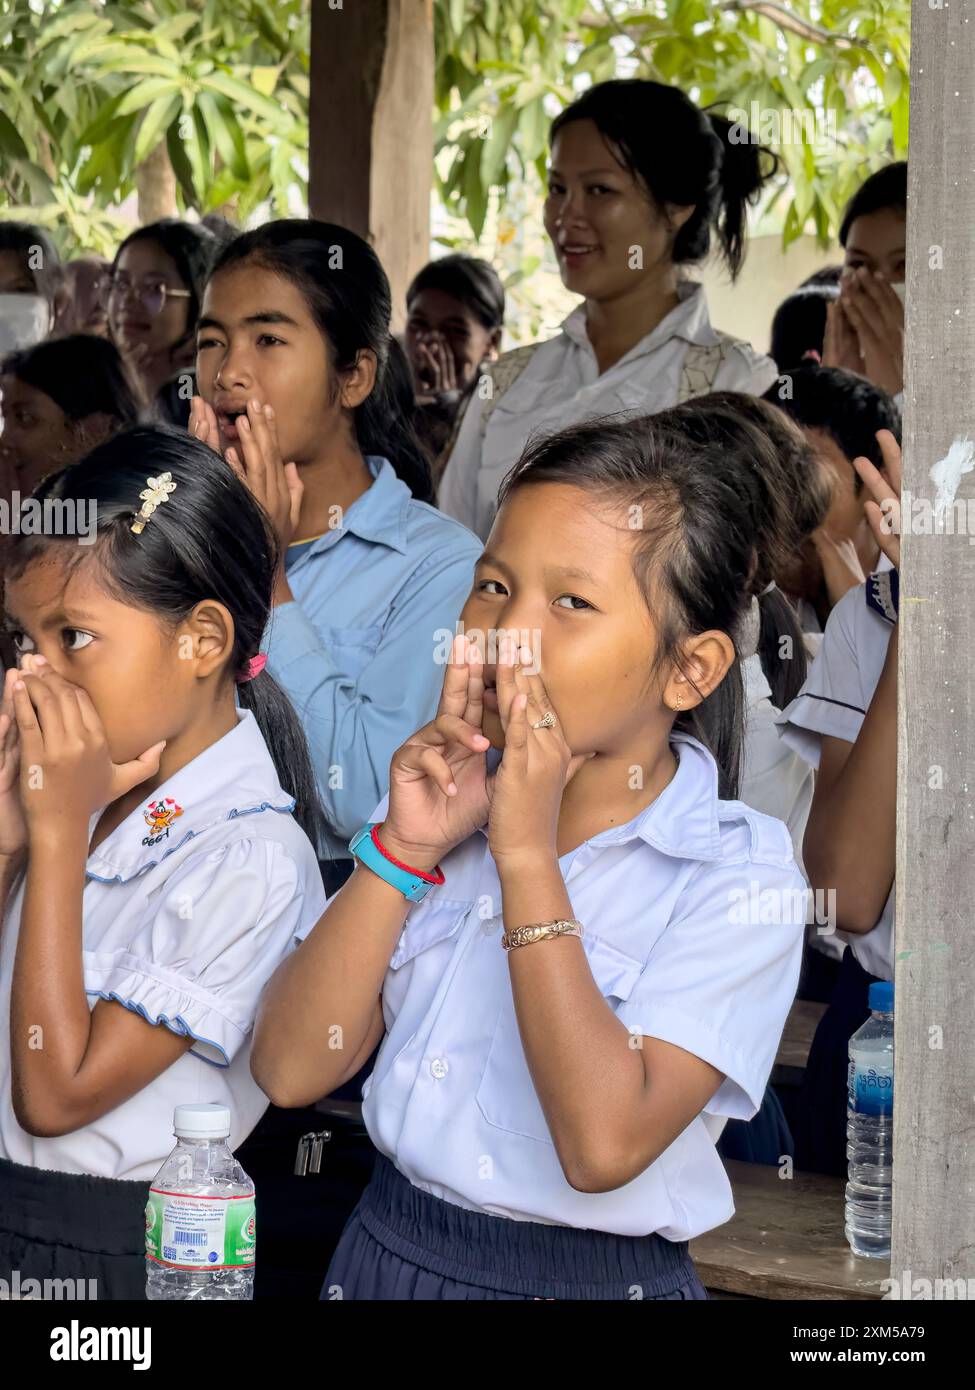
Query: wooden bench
797	1036
785	1240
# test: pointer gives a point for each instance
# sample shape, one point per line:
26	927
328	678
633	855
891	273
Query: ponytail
781	648
719	723
285	738
682	156
384	425
745	168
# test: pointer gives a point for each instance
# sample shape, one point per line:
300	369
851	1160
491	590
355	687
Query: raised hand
883	508
13	827
877	316
203	423
66	772
274	483
536	767
438	786
841	346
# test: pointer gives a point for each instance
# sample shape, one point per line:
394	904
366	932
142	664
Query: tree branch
785	19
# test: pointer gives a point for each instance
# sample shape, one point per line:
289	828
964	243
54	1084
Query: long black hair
83	374
707	495
209	541
473	281
193	248
792	504
682	155
346	289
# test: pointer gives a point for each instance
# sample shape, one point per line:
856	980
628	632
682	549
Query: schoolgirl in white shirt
844	721
545	1113
639	179
154	837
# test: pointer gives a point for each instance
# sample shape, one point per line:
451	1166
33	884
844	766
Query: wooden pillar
371	128
934	1087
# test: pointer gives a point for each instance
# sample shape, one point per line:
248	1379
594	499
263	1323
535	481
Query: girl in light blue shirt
292	363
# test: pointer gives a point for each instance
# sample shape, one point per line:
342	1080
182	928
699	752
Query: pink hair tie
253	668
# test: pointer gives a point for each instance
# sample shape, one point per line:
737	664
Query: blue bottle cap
880	997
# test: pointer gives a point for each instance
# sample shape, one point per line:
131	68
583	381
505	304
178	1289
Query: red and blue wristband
414	884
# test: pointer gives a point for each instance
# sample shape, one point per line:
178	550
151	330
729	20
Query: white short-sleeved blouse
834	700
694	915
189	905
562	385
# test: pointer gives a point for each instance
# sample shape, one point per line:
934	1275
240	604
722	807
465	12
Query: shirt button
439	1068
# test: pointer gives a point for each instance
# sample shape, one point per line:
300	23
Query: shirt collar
683	820
379	515
233	777
689	320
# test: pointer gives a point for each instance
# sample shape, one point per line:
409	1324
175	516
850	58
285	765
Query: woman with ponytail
292	361
640	182
156	804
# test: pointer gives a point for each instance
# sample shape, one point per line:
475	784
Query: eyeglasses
151	293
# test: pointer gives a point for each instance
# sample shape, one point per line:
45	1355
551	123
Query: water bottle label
187	1232
869	1092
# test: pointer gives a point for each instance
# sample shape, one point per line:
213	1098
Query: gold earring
679	701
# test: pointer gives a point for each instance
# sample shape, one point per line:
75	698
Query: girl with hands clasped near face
149	891
548	928
865	325
844	721
292	364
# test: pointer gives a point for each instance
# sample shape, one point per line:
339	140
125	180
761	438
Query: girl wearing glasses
153	301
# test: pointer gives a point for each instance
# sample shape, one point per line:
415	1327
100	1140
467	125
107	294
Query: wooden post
371	128
934	1087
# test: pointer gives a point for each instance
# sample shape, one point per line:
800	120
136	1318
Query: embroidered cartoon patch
159	816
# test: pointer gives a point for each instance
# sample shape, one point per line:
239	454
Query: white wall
746	308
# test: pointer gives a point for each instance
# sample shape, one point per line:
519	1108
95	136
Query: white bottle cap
203	1121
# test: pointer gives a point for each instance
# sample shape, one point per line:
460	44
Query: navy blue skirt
63	1229
401	1244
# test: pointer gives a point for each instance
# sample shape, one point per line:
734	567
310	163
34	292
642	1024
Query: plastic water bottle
870	1127
200	1229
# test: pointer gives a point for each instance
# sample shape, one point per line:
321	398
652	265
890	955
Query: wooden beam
371	127
934	1087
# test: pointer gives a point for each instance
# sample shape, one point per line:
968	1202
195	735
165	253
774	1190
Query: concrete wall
745	309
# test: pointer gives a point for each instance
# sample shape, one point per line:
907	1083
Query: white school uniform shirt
677	951
834	700
562	385
775	778
184	925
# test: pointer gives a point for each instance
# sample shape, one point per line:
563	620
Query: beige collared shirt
562	385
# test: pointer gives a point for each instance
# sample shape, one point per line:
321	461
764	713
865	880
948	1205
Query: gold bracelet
539	931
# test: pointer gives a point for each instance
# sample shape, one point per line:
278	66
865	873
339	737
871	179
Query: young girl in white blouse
155	794
639	180
580	951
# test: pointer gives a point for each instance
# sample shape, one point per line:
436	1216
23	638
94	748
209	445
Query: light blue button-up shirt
360	651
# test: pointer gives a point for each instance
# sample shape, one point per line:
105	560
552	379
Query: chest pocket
427	927
506	1096
352	648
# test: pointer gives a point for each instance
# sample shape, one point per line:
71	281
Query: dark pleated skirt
68	1226
402	1244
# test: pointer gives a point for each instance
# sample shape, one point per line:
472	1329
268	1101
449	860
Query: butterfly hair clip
152	497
